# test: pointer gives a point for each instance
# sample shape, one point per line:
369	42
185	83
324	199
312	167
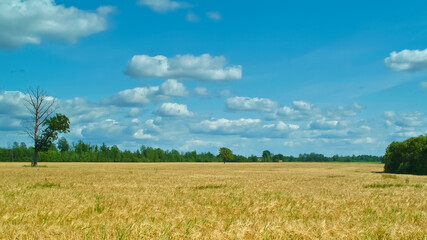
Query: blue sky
331	77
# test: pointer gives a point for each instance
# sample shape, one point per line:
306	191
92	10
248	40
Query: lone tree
226	154
41	107
266	156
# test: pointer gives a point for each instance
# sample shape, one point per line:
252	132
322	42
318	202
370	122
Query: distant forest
83	152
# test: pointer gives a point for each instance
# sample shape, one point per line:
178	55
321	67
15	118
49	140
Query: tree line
85	152
408	157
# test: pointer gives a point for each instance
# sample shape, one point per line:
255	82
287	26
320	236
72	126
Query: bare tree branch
41	108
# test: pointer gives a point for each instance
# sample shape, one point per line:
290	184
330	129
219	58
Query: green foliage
407	157
54	125
266	156
225	154
63	145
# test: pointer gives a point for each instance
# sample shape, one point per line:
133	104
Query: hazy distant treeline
83	152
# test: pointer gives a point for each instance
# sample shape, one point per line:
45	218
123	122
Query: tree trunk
36	139
35	158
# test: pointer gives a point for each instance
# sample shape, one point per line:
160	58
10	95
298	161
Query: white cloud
32	21
201	91
281	126
151	125
404	120
163	5
407	60
10	124
323	124
80	110
299	110
202	67
366	140
244	127
226	126
214	15
133	97
103	129
173	88
303	106
405	125
251	104
408	134
12	104
194	144
141	135
345	111
174	110
424	84
142	96
192	17
133	112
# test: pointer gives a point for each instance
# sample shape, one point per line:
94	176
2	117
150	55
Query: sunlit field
210	201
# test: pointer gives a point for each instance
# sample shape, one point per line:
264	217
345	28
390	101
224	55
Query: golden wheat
210	201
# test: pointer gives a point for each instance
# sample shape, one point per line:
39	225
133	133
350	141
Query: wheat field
210	201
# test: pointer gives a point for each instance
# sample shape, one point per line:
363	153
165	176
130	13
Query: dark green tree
225	154
266	156
54	125
253	158
409	156
63	145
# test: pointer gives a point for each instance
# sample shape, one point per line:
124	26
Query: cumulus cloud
226	126
173	88
404	119
299	110
303	106
405	125
103	129
81	111
245	127
365	140
344	111
32	21
174	110
216	16
163	5
12	104
204	67
281	126
251	104
133	97
142	96
323	124
407	60
10	124
141	135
